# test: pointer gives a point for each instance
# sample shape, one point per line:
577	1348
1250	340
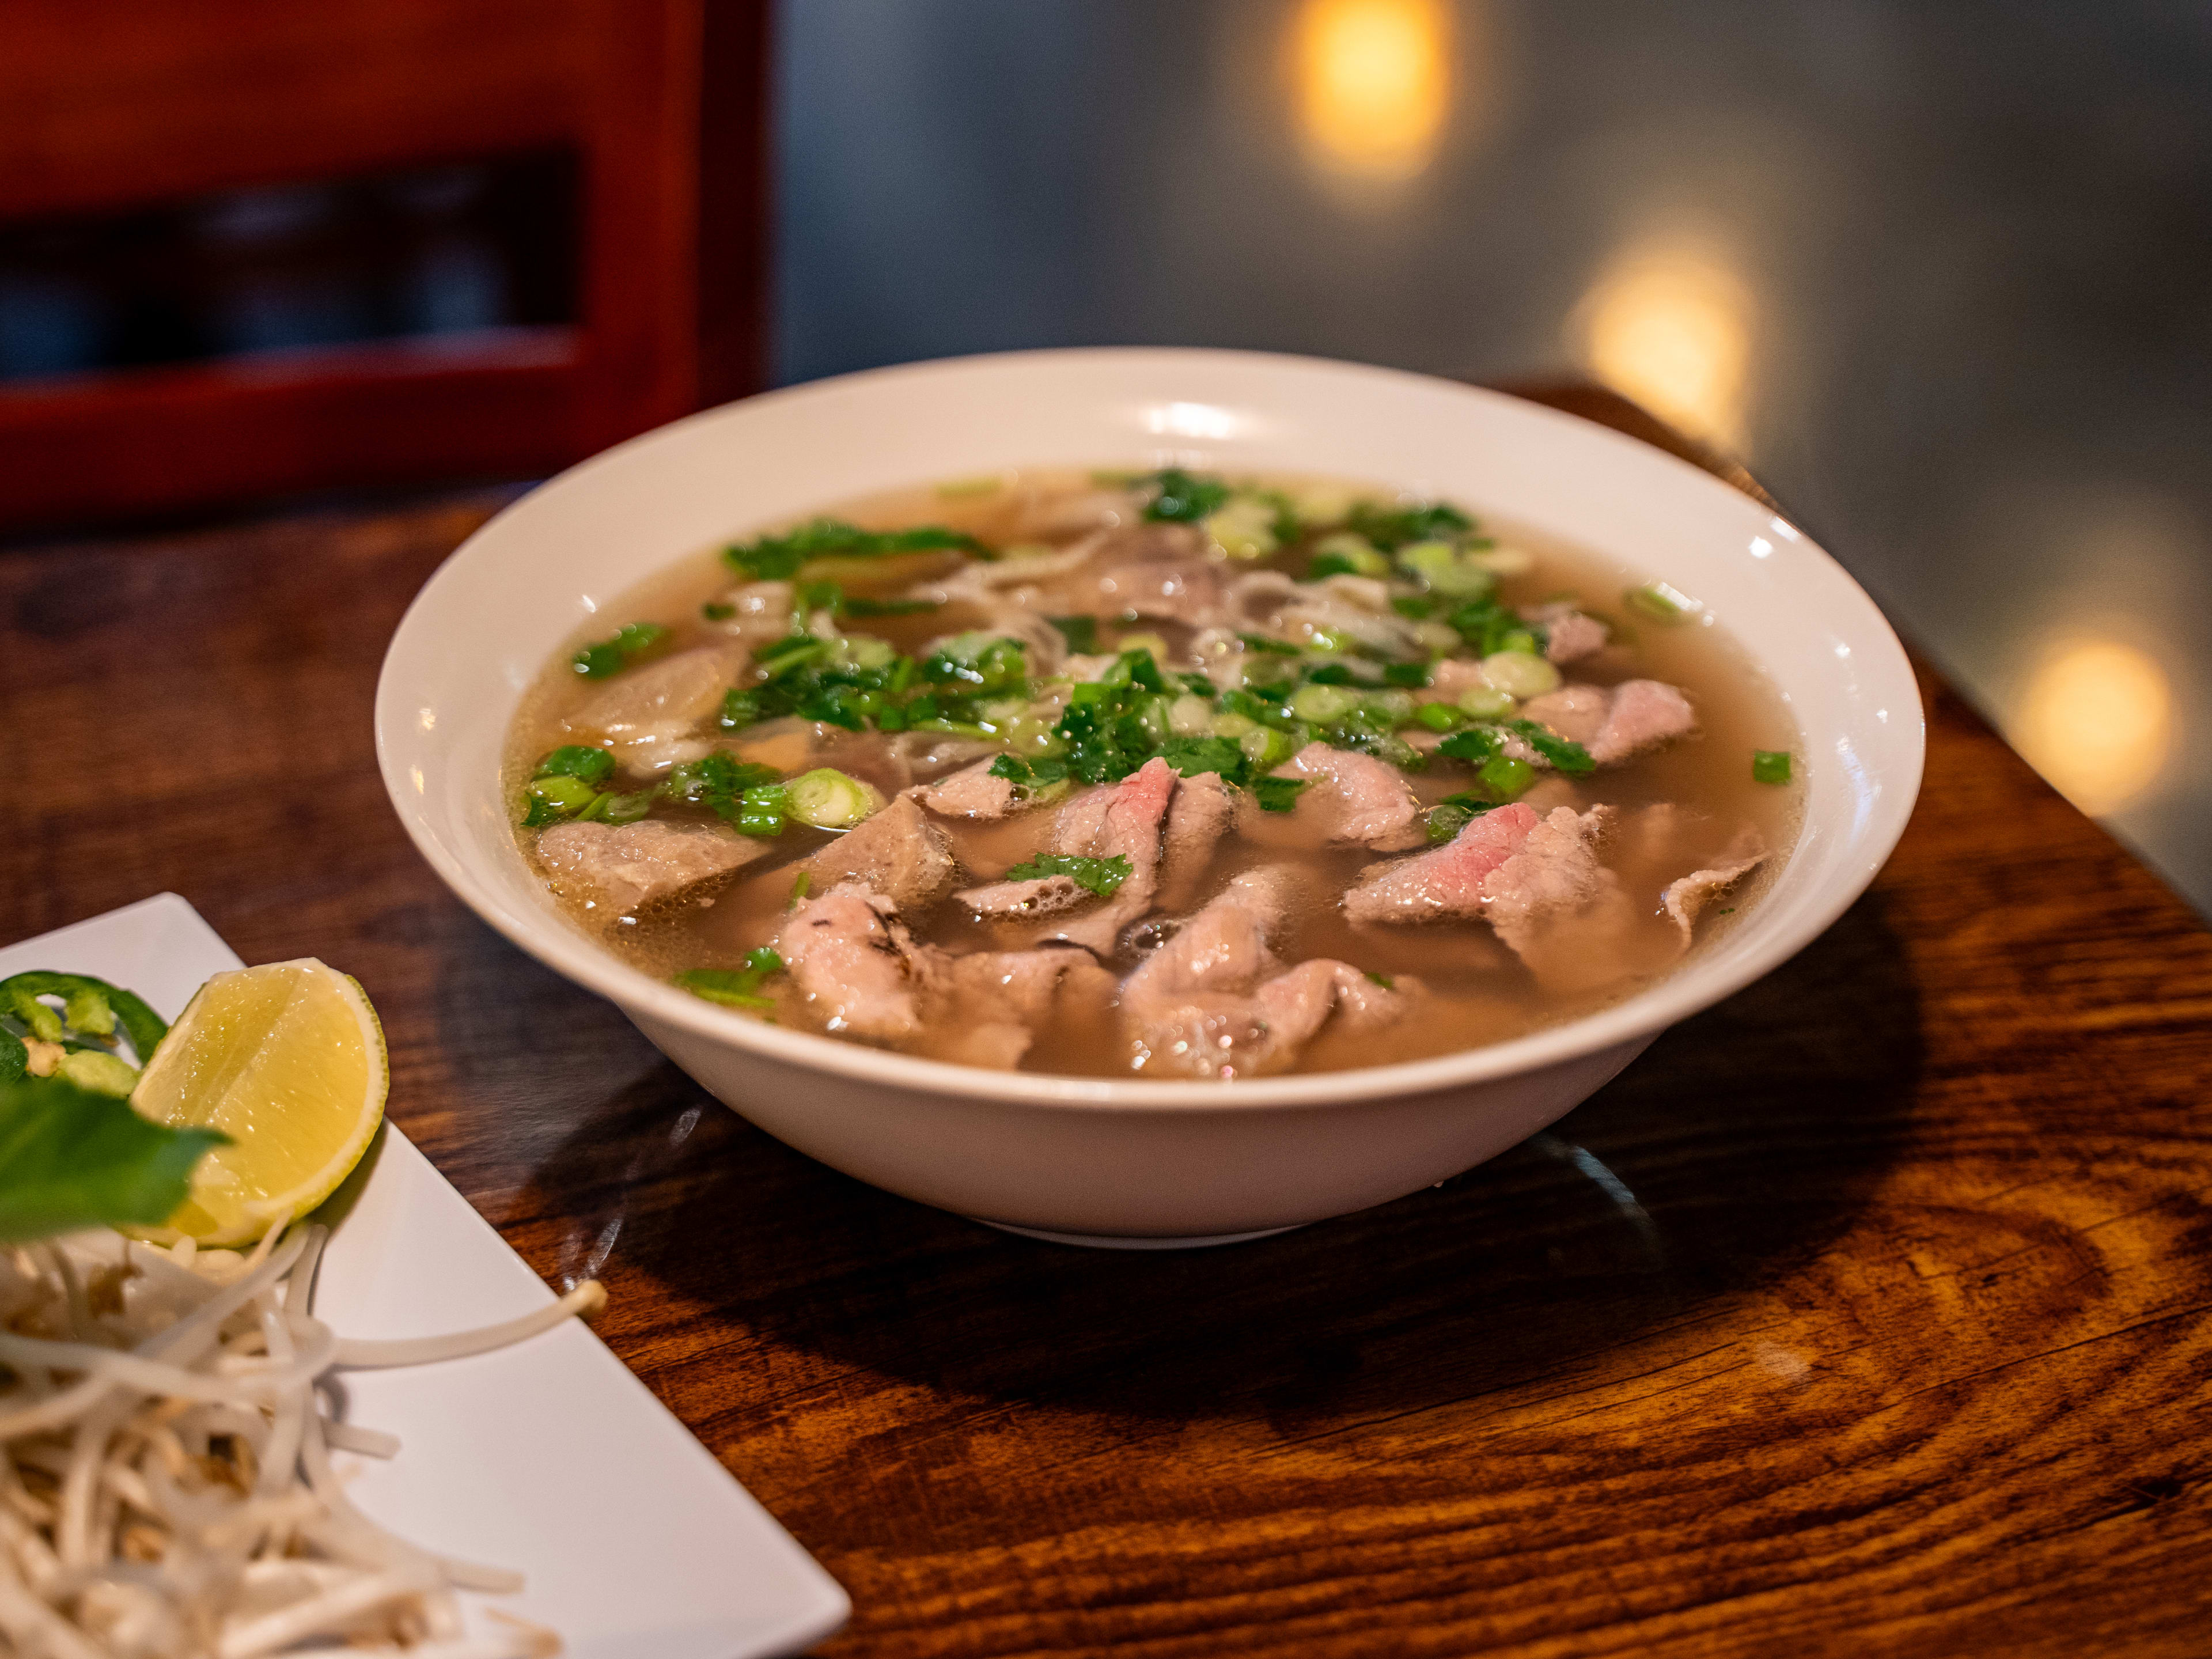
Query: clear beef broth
1475	990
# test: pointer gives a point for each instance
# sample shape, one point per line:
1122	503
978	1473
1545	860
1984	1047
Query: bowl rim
1636	1018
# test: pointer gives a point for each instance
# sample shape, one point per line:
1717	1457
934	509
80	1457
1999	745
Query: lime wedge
287	1059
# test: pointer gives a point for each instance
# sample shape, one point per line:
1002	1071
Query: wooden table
1866	1314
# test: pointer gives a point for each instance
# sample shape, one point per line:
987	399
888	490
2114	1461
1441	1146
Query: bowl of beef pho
1149	795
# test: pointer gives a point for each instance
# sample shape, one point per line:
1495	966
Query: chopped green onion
801	885
574	761
761	811
1522	673
1770	766
564	797
1438	716
716	610
1503	775
1099	876
1323	705
1268	647
1389	527
1413	676
1661	602
1279	794
860	604
1382	980
1486	702
829	799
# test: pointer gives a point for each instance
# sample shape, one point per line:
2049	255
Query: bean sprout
168	1492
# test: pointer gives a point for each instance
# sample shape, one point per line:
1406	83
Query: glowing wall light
2096	720
1374	83
1669	324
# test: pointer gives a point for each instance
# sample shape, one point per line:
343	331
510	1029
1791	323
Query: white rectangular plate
548	1457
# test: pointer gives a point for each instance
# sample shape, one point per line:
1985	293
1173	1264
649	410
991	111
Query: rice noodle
168	1492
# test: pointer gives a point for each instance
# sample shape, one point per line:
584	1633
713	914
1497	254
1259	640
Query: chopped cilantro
610	657
1080	632
1410	675
778	558
1268	647
1182	497
1099	876
1279	794
1474	745
723	785
575	761
1013	767
1382	980
1390	528
860	604
1192	756
1566	756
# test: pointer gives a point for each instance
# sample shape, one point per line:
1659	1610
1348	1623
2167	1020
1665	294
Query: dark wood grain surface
1867	1313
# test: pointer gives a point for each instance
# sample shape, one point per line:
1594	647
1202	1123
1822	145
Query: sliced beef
1122	820
618	870
985	1009
973	793
1569	635
1036	897
1366	800
1554	872
643	716
898	854
1448	882
1618	724
1577	712
853	961
1684	899
1201	810
1214	1001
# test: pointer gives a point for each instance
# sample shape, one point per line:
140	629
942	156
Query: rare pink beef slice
1124	820
1569	635
1366	800
1686	897
618	870
1553	874
1215	1001
898	854
851	958
1615	724
972	792
1448	882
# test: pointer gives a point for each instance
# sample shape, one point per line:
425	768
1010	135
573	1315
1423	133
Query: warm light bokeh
1374	83
2096	720
1669	324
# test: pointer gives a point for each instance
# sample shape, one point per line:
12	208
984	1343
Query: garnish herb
1661	602
715	610
1504	776
1080	632
1099	876
629	646
779	558
1770	766
1182	497
1382	980
736	988
801	885
71	1157
1476	745
1279	794
1392	527
1570	757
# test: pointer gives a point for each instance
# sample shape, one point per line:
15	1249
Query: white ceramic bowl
1130	1162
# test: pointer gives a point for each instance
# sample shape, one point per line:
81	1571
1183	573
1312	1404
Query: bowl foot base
1119	1242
